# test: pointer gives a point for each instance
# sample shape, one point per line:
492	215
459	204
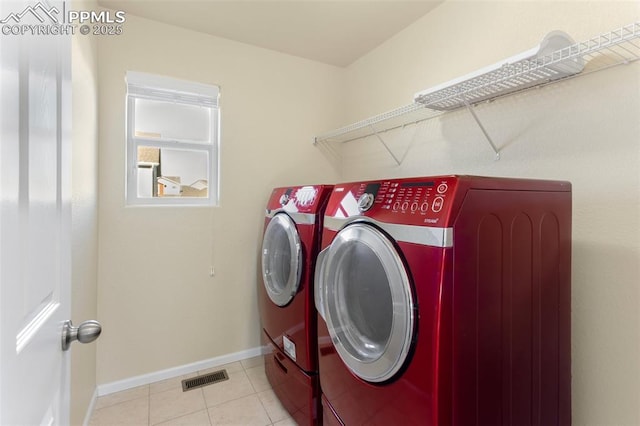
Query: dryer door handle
318	281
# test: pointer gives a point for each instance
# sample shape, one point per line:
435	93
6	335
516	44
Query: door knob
86	332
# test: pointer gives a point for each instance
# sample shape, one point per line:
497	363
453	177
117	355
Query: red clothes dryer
446	301
290	245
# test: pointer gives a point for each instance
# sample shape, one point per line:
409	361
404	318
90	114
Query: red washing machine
290	245
446	301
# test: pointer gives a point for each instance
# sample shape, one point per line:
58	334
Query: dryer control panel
298	199
415	201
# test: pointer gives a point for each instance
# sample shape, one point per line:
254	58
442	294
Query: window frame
165	89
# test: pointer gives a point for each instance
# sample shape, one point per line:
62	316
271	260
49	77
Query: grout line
117	403
251	383
206	407
265	409
230	400
179	388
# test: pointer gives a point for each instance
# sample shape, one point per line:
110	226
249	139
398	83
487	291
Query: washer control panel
417	196
416	201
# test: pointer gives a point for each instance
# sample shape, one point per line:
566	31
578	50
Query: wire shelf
621	46
399	117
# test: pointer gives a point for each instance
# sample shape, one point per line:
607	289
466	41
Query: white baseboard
145	379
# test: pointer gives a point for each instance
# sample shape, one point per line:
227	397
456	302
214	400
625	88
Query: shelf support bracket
484	131
413	139
375	132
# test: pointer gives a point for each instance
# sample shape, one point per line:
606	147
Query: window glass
363	301
172	121
281	259
166	172
278	265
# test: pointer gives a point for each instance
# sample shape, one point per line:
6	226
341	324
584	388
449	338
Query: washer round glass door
281	259
368	303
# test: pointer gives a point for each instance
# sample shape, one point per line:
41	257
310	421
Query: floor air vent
207	379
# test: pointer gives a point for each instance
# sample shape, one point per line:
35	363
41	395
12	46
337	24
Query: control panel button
414	207
365	202
442	188
396	205
284	199
437	204
405	206
424	207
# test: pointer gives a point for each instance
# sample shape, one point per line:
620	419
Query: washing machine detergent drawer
297	391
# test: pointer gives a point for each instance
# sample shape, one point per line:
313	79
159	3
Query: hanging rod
390	120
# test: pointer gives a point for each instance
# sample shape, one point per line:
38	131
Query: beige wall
84	208
585	130
158	306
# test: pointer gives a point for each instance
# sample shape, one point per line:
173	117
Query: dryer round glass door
281	259
368	303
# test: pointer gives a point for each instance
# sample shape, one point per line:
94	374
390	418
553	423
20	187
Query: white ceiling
336	32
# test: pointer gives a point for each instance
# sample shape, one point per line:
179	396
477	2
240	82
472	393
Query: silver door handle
86	332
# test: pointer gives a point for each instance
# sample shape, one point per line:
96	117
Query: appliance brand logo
39	19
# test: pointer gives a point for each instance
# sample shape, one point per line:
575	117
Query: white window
172	141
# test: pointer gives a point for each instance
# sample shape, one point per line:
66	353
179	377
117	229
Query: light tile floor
245	399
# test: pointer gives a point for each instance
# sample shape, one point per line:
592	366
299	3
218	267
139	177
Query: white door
35	187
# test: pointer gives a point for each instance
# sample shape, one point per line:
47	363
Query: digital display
372	188
417	184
